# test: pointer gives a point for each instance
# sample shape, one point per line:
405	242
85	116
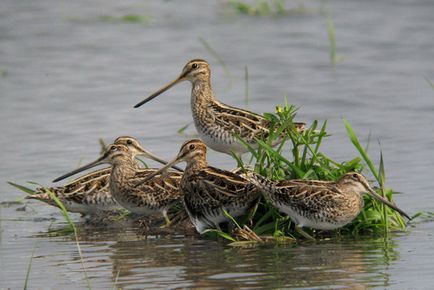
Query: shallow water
69	77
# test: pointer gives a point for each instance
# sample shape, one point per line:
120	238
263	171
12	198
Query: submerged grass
299	156
219	59
246	87
331	32
29	269
129	18
74	230
70	229
267	8
430	82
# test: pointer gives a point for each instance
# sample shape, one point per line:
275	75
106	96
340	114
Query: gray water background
69	76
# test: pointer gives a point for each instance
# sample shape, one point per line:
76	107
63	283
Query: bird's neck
123	169
201	92
196	164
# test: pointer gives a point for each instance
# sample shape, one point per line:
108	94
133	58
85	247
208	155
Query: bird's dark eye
192	147
355	176
113	148
129	141
194	65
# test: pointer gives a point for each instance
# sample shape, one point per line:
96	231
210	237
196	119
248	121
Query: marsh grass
299	156
267	8
429	82
70	229
129	18
29	269
331	32
218	58
75	232
246	87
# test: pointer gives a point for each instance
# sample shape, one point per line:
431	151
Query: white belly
89	208
224	145
303	221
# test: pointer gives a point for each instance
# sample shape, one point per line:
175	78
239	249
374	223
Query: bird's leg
166	218
303	233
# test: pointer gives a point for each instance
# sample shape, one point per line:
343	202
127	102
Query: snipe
127	187
90	193
218	124
207	191
323	205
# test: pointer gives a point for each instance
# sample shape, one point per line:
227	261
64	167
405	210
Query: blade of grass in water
71	224
183	128
221	234
219	59
332	39
356	143
429	82
381	181
246	87
29	268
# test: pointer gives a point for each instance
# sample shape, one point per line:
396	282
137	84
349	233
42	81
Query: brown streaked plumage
127	187
209	191
218	124
90	193
324	205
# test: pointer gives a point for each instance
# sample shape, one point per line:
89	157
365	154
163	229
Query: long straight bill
160	91
161	170
83	168
378	197
159	160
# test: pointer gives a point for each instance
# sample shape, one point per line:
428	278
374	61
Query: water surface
70	75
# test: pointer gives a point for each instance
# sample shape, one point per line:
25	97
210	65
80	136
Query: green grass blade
183	128
29	268
356	143
22	188
221	234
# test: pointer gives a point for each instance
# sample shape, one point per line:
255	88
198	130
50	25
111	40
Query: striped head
360	184
132	143
196	69
193	149
354	180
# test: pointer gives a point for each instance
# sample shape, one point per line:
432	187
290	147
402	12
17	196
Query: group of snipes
209	194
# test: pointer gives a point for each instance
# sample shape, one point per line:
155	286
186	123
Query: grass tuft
299	156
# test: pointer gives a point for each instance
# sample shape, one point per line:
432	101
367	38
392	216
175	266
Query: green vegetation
74	229
334	58
303	159
29	269
299	156
70	229
267	8
430	82
129	18
246	86
217	56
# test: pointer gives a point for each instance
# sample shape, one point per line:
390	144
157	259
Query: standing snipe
218	124
127	187
209	191
90	193
324	205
